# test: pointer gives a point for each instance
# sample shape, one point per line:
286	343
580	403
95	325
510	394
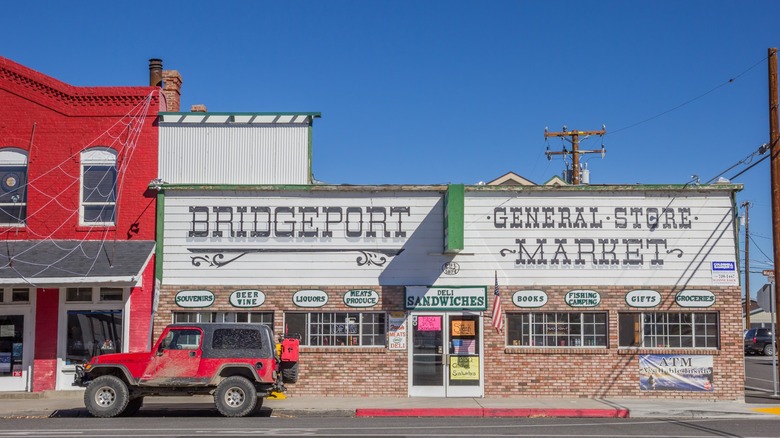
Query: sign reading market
446	298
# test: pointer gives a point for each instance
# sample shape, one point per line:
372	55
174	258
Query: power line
691	100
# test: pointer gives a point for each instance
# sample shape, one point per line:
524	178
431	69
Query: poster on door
464	368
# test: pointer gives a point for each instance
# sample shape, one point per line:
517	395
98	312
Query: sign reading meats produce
361	298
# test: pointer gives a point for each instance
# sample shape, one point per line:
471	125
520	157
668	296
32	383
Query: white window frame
335	329
582	340
97	156
7	293
11	156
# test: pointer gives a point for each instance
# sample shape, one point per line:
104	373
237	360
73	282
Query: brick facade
508	371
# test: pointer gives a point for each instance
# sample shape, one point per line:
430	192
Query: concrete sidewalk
71	404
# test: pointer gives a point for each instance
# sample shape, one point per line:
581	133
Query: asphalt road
143	426
759	380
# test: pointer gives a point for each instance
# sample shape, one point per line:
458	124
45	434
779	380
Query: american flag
498	314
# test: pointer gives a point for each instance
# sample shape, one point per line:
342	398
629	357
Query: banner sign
666	372
397	331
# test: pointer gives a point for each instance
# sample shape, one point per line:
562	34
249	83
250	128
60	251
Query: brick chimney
172	90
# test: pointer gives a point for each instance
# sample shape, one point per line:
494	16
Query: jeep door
177	358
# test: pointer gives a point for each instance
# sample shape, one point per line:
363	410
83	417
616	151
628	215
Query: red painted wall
53	122
45	356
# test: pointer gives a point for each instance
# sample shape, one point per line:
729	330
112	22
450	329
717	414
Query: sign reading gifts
446	298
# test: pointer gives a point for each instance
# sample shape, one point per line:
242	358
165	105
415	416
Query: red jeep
238	363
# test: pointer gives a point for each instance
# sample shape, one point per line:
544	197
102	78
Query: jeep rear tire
289	372
235	397
106	396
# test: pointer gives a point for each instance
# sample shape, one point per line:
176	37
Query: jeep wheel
106	396
768	350
289	372
133	406
235	397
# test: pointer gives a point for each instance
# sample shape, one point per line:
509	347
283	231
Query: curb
495	412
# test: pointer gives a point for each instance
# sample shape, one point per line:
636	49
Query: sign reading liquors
247	298
361	298
194	298
310	298
446	298
582	298
643	298
695	298
529	298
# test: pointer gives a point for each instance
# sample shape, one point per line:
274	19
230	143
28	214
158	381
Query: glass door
14	354
445	355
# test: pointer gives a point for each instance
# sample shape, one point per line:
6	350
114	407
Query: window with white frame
13	187
15	295
98	186
669	330
337	328
557	329
94	322
238	317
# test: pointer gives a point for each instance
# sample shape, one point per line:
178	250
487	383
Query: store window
94	294
11	345
557	329
92	333
98	186
669	330
13	187
16	295
238	317
337	329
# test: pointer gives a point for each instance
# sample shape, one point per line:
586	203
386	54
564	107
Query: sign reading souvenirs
247	298
194	298
446	298
661	372
310	298
582	298
643	298
361	298
695	298
529	298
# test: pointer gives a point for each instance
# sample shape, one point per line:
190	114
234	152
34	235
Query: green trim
159	236
305	113
454	218
309	158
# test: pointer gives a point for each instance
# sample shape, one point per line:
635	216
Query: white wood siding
234	154
686	253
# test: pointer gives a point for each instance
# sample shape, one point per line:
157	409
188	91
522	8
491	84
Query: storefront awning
53	263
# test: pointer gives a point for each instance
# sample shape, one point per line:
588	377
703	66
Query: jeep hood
121	358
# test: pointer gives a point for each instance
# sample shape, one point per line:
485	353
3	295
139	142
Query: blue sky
425	92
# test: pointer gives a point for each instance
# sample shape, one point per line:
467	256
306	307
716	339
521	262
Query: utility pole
774	159
575	148
746	204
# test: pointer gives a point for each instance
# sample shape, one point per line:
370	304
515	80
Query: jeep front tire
235	397
106	396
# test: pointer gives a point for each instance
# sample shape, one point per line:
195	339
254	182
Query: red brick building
76	221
